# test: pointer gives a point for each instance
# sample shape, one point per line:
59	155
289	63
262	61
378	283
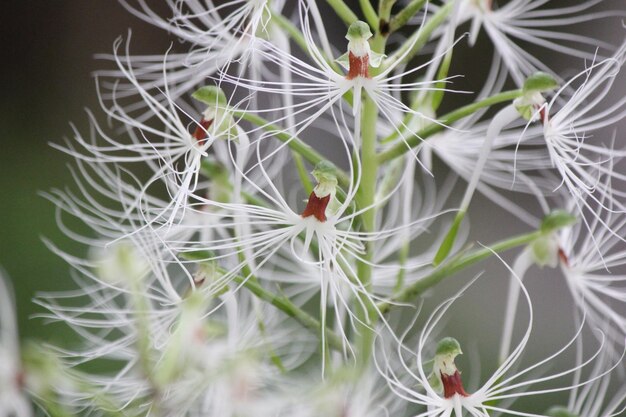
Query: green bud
559	411
211	96
359	30
556	220
539	82
545	250
121	263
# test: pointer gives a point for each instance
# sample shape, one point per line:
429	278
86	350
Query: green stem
401	148
370	14
384	13
302	173
294	143
454	265
417	41
365	199
298	37
344	12
404	15
285	305
282	303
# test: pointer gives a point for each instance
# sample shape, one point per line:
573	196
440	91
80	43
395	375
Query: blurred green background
47	56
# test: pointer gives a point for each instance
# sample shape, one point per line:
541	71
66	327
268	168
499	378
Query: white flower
526	21
173	151
317	88
13	400
598	399
441	392
592	256
574	128
346	394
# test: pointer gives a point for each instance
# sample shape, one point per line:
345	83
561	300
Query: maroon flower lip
452	384
200	133
316	207
359	66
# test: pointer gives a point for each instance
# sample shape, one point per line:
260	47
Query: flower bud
532	98
216	116
545	250
121	263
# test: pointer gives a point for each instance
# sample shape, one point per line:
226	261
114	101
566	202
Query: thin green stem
302	173
282	303
294	143
404	15
365	199
384	13
454	265
401	148
370	14
298	37
285	305
417	41
344	12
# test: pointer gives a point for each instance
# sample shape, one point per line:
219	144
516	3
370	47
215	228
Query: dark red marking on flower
359	66
452	384
316	207
563	257
200	132
543	114
20	379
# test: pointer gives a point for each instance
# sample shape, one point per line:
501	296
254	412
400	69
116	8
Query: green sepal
211	96
448	346
344	60
359	30
539	82
556	220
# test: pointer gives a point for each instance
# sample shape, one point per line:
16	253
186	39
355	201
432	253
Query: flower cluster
267	204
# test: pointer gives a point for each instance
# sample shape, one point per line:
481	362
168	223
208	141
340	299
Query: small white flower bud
121	263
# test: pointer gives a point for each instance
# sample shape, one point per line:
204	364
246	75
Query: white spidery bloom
598	399
527	21
592	259
441	392
573	131
173	151
316	88
13	400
